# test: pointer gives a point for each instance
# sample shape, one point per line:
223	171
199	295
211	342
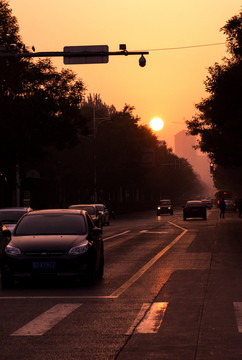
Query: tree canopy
218	121
39	105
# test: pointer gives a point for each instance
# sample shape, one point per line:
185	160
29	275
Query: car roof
195	202
19	208
56	211
81	205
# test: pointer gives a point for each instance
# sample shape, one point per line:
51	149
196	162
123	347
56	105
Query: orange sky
172	81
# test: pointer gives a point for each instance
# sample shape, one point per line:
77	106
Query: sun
156	124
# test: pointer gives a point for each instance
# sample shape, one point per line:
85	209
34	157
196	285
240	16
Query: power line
187	47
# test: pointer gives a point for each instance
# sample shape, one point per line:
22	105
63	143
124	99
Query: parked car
194	209
164	207
10	216
52	243
208	203
230	205
5	236
92	211
105	213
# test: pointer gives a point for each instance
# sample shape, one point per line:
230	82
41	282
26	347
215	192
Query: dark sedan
164	207
92	211
53	243
194	209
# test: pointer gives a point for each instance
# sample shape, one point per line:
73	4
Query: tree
40	107
219	118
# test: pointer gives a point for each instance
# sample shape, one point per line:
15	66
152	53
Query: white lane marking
139	317
57	297
238	314
153	319
153	232
46	321
111	237
139	273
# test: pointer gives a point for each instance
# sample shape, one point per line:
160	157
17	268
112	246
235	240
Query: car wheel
7	280
171	213
184	218
158	214
107	223
205	217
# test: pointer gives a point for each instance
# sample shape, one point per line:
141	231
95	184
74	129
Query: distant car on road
208	203
164	207
10	216
105	213
53	243
194	209
230	205
92	211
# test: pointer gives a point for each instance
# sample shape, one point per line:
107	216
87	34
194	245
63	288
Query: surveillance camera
142	61
122	46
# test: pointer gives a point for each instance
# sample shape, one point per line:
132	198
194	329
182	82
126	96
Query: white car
105	214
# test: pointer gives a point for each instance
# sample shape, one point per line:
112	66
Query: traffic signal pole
72	54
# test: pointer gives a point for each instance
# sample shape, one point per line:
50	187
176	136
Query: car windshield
51	224
10	217
165	202
100	207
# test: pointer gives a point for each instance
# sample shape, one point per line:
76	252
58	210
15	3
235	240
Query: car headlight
78	250
158	208
12	251
169	207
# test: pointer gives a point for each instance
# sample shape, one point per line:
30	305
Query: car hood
47	242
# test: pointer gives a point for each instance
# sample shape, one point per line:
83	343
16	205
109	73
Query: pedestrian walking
222	207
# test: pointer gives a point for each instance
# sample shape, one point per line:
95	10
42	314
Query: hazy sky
170	84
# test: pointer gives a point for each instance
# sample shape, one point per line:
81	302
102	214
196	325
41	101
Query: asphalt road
171	290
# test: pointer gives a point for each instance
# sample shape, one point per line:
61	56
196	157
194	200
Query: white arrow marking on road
238	315
152	320
46	321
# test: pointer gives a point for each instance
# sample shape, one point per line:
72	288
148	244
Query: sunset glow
172	81
156	124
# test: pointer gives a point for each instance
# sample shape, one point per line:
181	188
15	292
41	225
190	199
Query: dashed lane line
46	321
113	236
153	232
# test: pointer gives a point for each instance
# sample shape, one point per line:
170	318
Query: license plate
44	265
